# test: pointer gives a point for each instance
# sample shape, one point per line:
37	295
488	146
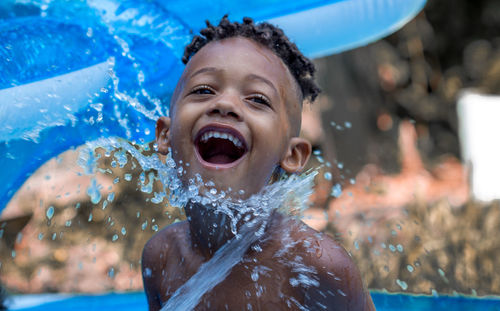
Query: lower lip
212	166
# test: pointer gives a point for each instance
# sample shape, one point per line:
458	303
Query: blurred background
401	185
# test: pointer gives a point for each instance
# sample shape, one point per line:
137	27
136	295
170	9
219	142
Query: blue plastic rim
137	301
121	63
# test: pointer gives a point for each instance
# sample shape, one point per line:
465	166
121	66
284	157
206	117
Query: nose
226	106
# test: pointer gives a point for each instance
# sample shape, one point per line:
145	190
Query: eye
260	99
202	90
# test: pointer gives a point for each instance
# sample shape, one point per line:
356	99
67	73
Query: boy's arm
150	274
341	286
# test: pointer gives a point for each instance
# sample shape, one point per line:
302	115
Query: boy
235	120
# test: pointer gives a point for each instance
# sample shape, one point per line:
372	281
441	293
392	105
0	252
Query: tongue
219	151
220	159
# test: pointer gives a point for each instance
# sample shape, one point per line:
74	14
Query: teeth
227	136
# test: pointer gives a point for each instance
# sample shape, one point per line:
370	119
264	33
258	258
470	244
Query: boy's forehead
246	56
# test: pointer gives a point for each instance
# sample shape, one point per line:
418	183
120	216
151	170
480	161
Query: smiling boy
235	121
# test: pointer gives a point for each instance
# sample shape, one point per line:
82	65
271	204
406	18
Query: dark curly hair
269	36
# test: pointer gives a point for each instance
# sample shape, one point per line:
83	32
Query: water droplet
400	248
255	275
347	124
441	273
410	268
50	212
97	106
402	284
341	292
170	162
127	177
336	190
94	192
328	176
294	282
111	272
124	231
140	77
115	237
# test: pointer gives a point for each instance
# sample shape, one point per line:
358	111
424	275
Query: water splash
288	195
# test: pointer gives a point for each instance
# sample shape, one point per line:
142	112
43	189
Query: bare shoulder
323	252
160	251
167	239
339	277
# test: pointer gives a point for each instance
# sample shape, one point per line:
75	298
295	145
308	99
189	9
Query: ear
163	134
299	150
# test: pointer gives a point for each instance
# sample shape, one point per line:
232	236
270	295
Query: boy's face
235	112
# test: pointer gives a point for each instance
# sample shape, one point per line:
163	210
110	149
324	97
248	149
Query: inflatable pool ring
76	71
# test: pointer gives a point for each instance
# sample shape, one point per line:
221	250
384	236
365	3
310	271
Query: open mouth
220	145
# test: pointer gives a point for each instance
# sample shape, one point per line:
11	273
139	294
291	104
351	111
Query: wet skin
239	87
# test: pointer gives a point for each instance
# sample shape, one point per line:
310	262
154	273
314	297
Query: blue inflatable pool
137	301
73	71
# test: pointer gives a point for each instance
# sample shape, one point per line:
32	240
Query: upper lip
222	128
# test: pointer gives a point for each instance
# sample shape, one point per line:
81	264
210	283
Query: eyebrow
202	70
257	77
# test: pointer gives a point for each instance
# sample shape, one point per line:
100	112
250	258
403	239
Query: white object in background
479	131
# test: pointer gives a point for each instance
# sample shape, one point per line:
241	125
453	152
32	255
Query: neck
209	230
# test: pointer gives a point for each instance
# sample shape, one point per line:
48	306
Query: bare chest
253	284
